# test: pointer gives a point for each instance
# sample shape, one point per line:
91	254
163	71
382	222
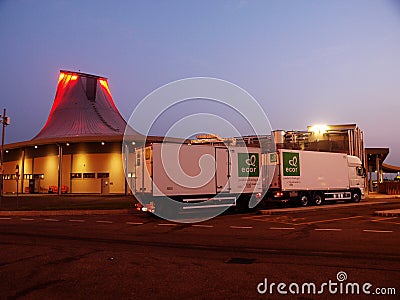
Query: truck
311	177
191	177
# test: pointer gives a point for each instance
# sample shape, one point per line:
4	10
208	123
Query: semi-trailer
196	176
188	177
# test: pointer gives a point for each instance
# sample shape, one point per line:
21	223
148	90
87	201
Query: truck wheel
318	199
356	197
304	200
242	204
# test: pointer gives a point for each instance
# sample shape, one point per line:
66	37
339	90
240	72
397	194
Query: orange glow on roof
60	77
67	79
105	85
74	77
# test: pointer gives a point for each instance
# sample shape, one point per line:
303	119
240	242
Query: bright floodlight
319	129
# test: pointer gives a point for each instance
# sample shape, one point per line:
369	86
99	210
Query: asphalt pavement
233	256
68	204
50	205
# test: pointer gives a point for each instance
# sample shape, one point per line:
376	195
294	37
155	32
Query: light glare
319	129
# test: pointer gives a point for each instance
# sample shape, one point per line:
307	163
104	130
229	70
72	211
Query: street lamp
4	120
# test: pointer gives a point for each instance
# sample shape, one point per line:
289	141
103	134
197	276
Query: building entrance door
105	186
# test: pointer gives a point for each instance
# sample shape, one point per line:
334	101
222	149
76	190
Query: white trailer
315	177
197	176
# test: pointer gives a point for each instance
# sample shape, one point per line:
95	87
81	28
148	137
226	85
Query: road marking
241	227
134	223
328	220
27	219
52	220
106	222
5	218
378	231
203	226
272	219
270	250
166	224
286	220
273	211
76	220
327	253
382	219
281	228
253	217
397	223
328	229
256	217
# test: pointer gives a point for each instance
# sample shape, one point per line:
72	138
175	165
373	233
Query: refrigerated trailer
312	177
197	176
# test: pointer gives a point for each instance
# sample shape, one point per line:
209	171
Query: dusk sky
305	62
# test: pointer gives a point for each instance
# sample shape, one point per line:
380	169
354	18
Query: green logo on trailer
248	165
273	159
291	164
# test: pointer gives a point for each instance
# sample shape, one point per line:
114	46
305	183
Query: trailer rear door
144	170
222	163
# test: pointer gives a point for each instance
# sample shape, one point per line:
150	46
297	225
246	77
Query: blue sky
306	62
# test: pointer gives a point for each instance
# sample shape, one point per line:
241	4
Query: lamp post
4	120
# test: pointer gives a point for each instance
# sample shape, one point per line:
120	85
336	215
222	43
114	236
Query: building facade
78	149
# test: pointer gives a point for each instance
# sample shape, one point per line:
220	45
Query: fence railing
390	187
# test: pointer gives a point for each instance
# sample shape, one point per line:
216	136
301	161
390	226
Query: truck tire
242	205
318	199
304	199
355	196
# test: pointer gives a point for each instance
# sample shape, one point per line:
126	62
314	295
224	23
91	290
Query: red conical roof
83	107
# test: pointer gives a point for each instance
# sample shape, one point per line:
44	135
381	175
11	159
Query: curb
388	213
64	212
382	196
278	211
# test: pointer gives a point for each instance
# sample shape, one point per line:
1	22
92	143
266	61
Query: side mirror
360	171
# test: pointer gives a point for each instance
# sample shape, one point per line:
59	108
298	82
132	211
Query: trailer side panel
309	170
180	170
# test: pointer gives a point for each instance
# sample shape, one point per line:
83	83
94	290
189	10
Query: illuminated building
78	149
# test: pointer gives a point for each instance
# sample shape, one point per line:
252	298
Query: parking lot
91	255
